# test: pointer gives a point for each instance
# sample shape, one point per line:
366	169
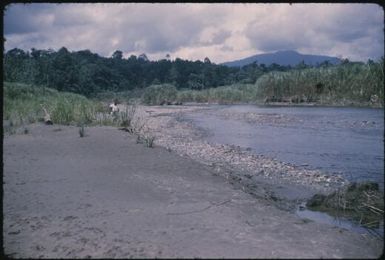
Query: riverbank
343	103
105	195
240	165
246	167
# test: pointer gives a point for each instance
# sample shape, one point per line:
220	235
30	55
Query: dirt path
106	196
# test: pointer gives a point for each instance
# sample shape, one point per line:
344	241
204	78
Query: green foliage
129	96
88	74
149	141
236	93
343	84
146	139
159	94
23	104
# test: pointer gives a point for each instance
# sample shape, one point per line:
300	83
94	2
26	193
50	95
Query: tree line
87	73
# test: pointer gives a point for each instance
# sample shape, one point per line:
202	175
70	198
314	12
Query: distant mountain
283	58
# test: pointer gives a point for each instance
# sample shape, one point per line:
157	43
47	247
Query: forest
86	73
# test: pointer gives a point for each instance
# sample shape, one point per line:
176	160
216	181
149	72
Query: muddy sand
104	195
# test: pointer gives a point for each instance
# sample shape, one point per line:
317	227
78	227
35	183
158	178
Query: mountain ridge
283	58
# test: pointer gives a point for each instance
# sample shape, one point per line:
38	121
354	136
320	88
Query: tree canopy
88	73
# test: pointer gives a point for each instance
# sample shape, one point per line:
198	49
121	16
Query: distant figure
114	108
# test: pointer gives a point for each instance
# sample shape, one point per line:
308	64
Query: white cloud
221	32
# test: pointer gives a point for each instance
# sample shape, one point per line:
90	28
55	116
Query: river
347	141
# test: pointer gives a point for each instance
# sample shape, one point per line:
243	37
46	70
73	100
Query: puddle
325	218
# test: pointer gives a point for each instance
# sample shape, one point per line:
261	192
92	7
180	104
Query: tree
301	65
143	56
117	55
345	61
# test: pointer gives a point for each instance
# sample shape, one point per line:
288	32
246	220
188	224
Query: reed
355	83
23	104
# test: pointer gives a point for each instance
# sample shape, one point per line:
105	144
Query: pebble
179	138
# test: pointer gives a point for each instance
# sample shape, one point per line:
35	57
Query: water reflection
377	229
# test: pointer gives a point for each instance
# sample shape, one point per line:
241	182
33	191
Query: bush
159	94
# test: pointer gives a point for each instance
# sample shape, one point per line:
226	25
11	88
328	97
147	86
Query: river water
348	141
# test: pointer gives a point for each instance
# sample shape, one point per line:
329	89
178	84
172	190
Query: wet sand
104	195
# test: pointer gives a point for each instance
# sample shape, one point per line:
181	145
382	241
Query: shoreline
285	185
288	104
175	133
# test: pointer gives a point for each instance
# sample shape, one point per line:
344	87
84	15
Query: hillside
283	58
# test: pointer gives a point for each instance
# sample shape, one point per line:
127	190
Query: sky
221	32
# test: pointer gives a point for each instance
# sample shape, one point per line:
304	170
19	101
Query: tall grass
236	93
23	103
129	96
347	84
343	84
159	94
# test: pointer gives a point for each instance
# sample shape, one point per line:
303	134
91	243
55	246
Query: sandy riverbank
104	195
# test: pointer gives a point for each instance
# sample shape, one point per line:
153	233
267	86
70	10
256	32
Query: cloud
220	31
325	28
213	35
18	21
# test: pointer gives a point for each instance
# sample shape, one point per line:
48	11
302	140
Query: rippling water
349	141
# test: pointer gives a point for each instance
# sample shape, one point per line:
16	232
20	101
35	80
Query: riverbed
346	141
283	154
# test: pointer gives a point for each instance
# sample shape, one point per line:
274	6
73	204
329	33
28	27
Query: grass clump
23	103
82	132
146	139
149	140
361	202
131	119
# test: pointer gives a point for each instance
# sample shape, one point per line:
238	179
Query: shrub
159	94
